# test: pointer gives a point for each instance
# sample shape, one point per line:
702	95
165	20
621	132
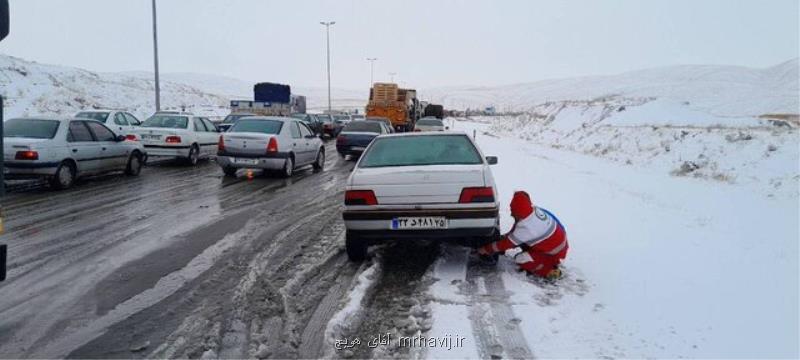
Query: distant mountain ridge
33	89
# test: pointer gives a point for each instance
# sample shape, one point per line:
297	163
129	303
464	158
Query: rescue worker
538	233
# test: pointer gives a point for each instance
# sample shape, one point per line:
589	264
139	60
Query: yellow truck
400	106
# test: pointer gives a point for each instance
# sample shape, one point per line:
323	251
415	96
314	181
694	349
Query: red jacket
538	233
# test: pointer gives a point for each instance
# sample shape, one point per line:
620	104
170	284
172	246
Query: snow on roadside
669	266
667	137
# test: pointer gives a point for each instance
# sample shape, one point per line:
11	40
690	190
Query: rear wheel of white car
320	163
356	247
64	176
229	171
288	167
134	165
194	155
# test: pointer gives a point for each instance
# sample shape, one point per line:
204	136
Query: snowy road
182	262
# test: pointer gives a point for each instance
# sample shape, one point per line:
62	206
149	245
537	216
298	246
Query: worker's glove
486	250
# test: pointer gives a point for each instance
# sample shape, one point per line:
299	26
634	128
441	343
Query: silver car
269	143
62	150
429	124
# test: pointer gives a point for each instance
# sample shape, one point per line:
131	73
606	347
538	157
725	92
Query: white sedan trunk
419	184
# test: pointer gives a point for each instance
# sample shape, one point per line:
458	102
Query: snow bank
666	137
659	266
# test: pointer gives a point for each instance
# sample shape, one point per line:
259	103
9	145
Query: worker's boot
554	274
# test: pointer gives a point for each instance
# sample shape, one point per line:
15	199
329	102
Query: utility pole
328	45
391	75
155	57
371	71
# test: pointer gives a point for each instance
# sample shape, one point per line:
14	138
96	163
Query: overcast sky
427	43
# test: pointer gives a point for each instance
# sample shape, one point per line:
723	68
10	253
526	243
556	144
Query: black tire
320	162
64	177
134	166
356	248
341	154
288	167
194	155
229	171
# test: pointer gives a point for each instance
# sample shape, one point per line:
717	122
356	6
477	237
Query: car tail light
27	155
272	147
360	197
130	137
340	139
221	144
476	195
173	139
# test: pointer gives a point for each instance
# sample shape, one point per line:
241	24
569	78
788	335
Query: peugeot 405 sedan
121	122
180	135
418	186
62	150
270	143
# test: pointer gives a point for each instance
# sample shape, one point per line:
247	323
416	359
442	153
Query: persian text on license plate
422	222
151	137
245	161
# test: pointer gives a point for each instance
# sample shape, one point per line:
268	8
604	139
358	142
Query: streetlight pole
155	58
371	71
328	45
392	74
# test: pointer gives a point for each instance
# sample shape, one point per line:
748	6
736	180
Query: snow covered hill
31	88
719	90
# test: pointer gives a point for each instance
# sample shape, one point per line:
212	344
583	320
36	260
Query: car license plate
245	161
415	223
357	148
151	137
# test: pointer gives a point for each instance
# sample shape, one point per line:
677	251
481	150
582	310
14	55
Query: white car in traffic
178	134
121	122
429	124
269	143
62	150
415	186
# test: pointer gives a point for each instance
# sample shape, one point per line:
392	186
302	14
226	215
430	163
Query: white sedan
420	186
429	124
269	143
61	150
120	122
180	135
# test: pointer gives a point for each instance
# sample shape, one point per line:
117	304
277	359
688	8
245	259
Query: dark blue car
356	135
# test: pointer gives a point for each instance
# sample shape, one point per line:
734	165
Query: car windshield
94	115
363	126
430	122
421	150
230	119
258	125
167	121
30	128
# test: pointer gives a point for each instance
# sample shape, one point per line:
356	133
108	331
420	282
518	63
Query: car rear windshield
259	126
430	122
421	150
30	128
94	115
232	118
363	126
167	121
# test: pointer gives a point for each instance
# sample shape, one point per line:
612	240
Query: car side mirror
492	160
311	136
120	138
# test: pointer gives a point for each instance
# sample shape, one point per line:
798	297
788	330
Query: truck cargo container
434	110
272	93
400	106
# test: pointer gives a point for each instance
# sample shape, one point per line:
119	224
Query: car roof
99	110
59	119
448	133
277	118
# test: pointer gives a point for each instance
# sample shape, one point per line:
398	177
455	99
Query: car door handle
74	150
104	149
